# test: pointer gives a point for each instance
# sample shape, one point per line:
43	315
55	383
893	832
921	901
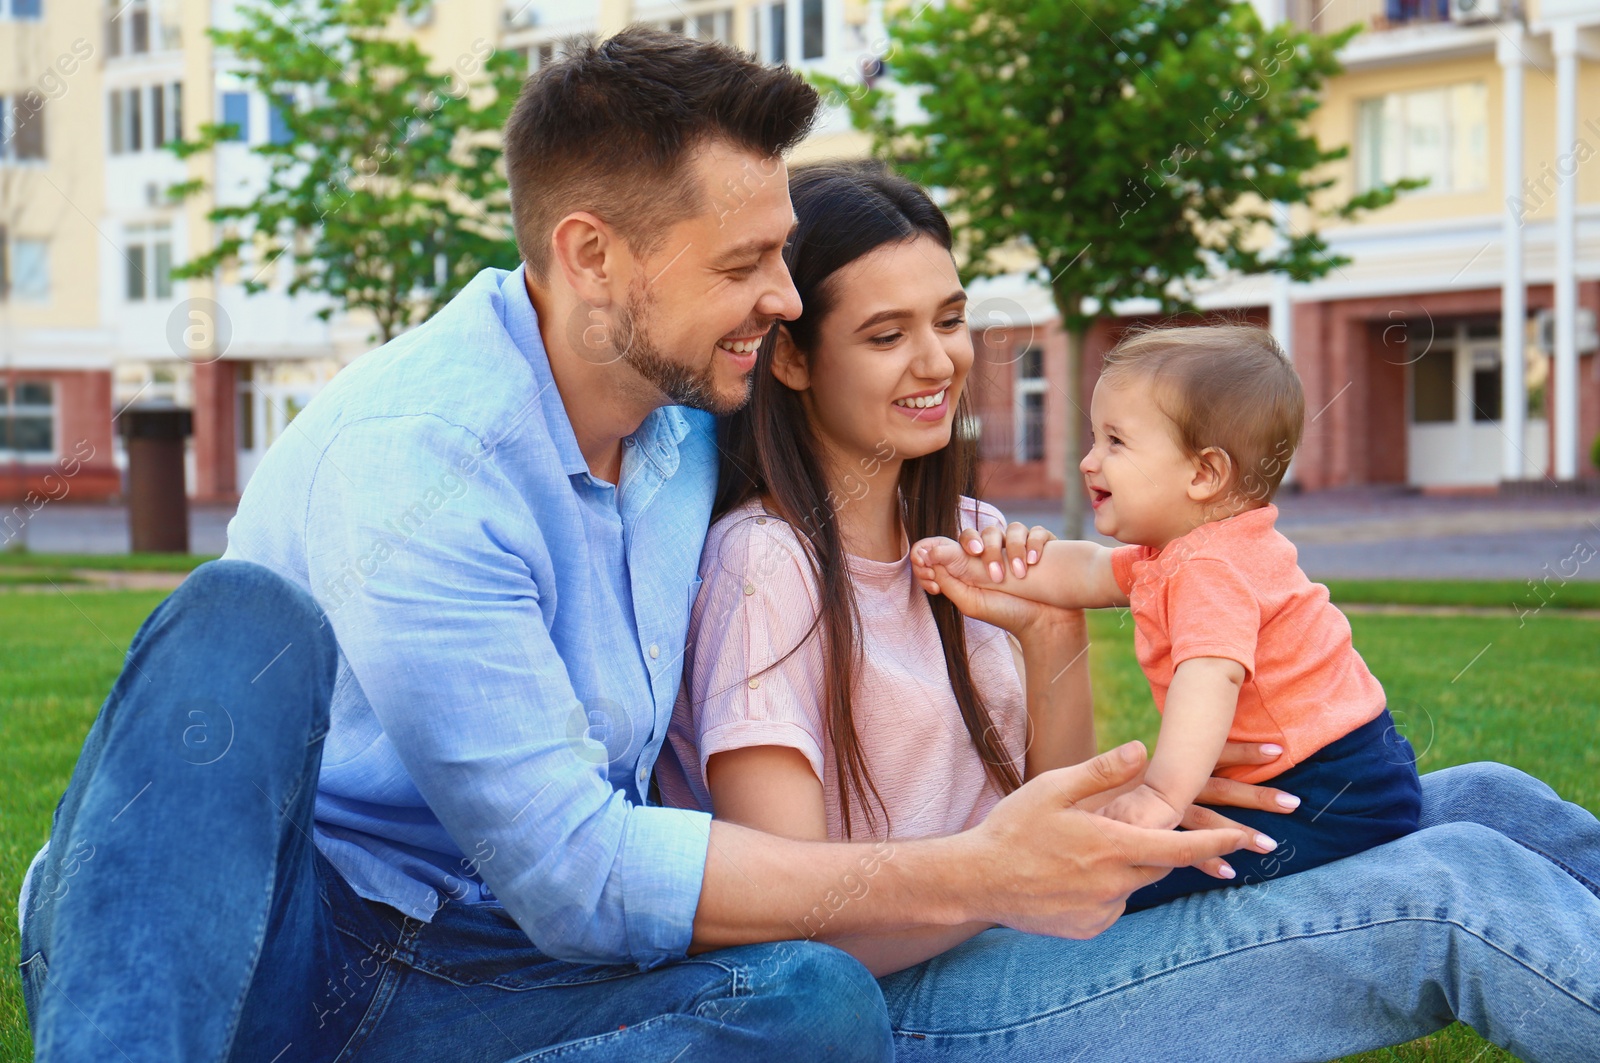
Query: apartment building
92	321
1457	350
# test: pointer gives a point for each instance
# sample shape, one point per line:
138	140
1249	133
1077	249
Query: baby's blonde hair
1224	386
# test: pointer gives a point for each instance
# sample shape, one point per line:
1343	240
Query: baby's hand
947	554
1144	807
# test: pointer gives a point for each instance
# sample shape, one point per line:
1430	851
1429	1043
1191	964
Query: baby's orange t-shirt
1233	588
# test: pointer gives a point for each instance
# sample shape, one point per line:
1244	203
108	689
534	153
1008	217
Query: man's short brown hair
1224	386
610	128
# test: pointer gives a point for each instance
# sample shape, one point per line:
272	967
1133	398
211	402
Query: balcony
1331	16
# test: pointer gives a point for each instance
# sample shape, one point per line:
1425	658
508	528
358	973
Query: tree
1132	148
385	189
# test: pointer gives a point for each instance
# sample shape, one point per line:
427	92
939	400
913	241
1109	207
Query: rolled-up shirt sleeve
422	553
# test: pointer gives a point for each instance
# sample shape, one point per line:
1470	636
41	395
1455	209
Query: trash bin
158	504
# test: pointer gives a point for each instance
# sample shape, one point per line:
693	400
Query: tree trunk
1072	495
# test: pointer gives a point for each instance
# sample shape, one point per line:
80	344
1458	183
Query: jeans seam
922	1035
593	1040
1563	865
377	1007
258	934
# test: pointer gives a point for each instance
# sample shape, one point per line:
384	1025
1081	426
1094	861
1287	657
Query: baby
1193	430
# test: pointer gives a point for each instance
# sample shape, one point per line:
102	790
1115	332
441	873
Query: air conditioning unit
1468	11
522	16
1545	330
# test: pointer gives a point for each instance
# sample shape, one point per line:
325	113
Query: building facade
1457	350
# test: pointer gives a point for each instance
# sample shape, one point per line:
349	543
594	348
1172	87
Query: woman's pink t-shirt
757	602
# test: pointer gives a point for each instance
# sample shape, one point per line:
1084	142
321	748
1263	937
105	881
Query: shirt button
749	588
754	683
761	520
628	442
655	651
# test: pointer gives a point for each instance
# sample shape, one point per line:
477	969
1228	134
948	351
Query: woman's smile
929	406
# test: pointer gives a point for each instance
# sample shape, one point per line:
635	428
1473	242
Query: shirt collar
522	323
658	437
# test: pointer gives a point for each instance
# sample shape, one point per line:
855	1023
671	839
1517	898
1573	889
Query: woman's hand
1228	793
1018	545
1233	794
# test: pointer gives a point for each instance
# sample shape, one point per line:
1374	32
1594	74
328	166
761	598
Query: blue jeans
1490	914
1355	794
182	911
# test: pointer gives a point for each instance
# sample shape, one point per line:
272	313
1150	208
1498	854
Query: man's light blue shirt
511	632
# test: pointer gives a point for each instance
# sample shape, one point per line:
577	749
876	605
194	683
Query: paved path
1365	533
1381	533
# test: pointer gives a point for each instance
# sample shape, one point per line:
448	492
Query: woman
806	712
861	707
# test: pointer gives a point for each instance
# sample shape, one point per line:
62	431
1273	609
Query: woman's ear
1212	471
788	364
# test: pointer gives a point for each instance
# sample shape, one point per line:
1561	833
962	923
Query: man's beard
681	385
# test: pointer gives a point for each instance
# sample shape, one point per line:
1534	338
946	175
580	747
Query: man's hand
1050	867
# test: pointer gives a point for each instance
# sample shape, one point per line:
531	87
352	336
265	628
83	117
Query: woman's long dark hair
846	210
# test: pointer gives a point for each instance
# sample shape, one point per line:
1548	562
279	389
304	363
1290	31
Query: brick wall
84	469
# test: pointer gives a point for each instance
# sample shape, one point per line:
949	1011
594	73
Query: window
127	27
810	29
1439	134
22	127
1433	386
134	256
118	122
161	272
29	272
277	126
158	108
1028	416
714	26
236	112
20	9
135	121
149	262
779	21
27	419
245	422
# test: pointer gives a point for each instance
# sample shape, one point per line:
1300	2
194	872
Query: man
432	838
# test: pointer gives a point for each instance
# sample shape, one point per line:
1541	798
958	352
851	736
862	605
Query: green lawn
1528	698
1502	594
25	560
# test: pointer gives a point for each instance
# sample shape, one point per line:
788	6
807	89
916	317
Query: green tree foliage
388	192
1133	148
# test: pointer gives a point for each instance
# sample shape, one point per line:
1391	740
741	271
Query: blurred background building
1456	351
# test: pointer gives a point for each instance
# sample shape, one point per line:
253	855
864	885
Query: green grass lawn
1464	688
1501	594
27	561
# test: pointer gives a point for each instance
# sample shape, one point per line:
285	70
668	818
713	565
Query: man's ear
788	364
590	257
1212	471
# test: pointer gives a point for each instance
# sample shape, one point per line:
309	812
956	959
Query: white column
1565	370
1281	308
1513	292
